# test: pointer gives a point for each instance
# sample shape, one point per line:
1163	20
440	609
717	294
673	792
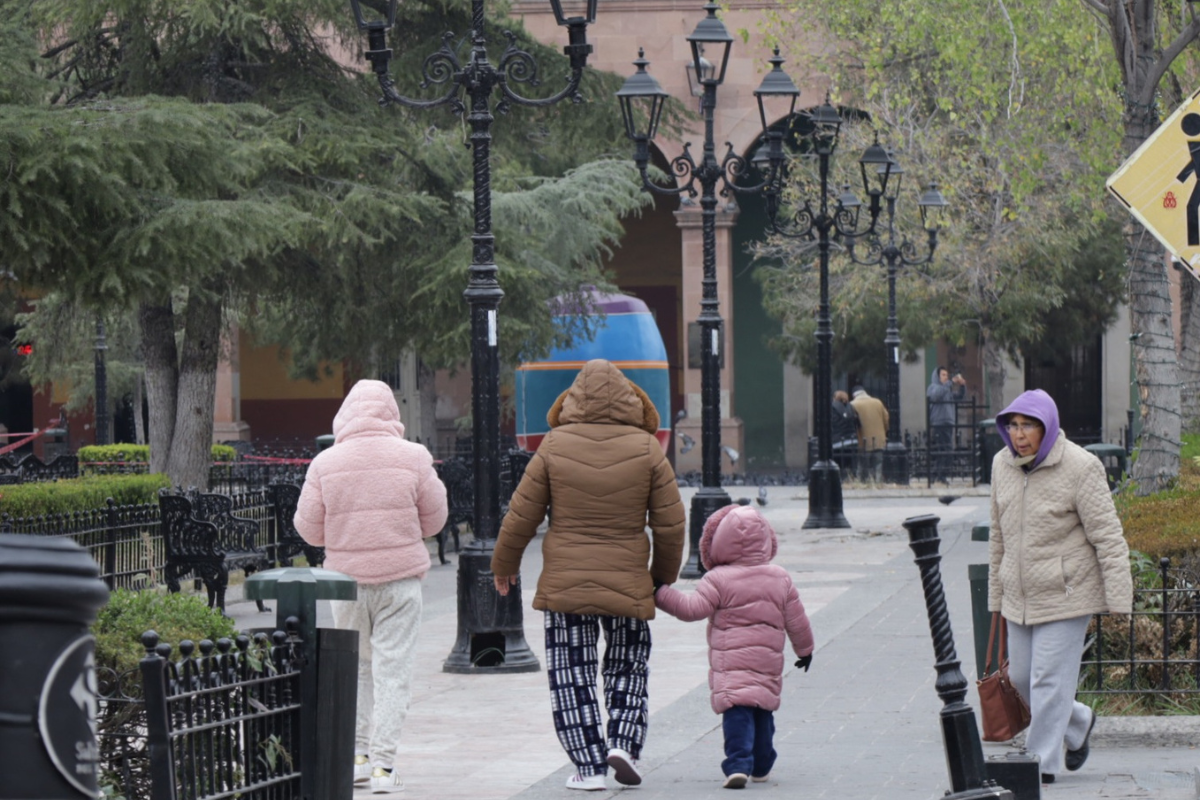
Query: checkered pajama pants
571	660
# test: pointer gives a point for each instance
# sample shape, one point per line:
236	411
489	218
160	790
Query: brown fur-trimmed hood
602	394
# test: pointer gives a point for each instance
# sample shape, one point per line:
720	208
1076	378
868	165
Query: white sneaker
588	783
761	778
385	781
735	781
624	767
362	771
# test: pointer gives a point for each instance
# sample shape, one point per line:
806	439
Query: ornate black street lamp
487	622
895	255
828	215
101	393
642	100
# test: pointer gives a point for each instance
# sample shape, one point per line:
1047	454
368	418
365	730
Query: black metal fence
221	721
127	541
1154	649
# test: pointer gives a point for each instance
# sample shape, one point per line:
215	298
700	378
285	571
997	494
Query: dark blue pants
749	741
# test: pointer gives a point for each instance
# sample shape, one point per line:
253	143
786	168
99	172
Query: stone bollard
50	591
960	733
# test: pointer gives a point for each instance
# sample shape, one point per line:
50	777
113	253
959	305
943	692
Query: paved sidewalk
862	724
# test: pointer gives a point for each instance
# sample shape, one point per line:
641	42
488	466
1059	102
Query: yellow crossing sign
1160	183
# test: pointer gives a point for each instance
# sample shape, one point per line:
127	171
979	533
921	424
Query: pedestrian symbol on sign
1160	183
1191	128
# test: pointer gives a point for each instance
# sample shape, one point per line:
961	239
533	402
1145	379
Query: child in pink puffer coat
752	607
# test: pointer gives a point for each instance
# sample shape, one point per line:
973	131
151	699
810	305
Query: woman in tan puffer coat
606	477
1057	555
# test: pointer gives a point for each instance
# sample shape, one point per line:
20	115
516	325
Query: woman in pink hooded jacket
752	608
370	501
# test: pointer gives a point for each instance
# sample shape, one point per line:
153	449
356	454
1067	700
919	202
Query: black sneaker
1076	758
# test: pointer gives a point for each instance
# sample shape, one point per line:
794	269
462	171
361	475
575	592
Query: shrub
79	494
139	453
1164	524
175	617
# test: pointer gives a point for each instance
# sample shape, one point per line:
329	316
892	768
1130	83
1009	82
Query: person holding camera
943	395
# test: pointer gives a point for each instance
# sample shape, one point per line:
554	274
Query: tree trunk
1189	350
157	321
997	374
1157	463
191	446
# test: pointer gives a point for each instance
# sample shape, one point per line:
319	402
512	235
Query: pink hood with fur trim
752	608
371	498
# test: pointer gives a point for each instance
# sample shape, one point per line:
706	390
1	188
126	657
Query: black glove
658	584
804	661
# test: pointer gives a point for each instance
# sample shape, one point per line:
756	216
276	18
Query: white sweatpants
387	617
1043	663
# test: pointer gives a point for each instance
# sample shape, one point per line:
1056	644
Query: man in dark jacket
844	426
943	395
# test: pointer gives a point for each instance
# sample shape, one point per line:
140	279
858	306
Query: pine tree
190	164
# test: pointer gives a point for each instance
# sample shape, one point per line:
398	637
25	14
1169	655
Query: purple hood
1039	405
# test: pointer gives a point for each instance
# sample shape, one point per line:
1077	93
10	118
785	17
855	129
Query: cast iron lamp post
828	215
894	255
642	100
488	624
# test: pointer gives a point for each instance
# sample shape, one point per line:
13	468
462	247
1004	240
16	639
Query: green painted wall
758	378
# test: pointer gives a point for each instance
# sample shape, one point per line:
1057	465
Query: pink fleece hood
369	408
737	534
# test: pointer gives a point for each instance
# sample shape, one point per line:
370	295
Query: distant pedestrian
943	395
1057	555
872	434
752	608
844	427
370	501
604	473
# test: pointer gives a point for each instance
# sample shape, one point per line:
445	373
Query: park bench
459	479
288	542
203	537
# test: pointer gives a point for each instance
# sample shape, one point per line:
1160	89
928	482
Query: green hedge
140	453
174	617
79	494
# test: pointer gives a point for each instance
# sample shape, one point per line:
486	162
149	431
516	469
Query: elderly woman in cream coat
1057	556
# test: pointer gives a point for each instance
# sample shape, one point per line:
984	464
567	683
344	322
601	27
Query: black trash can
989	443
56	445
1112	456
50	591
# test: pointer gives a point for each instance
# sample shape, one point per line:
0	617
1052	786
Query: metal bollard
329	683
50	591
960	733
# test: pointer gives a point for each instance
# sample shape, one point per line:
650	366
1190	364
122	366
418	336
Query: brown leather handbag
1004	712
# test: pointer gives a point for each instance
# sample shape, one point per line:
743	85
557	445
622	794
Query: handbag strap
996	619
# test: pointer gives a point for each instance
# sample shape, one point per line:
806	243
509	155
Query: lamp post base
491	633
706	500
895	463
825	497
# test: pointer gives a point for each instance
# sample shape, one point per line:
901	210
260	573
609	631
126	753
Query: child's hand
804	661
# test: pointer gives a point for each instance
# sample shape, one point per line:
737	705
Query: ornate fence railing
1154	649
221	720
